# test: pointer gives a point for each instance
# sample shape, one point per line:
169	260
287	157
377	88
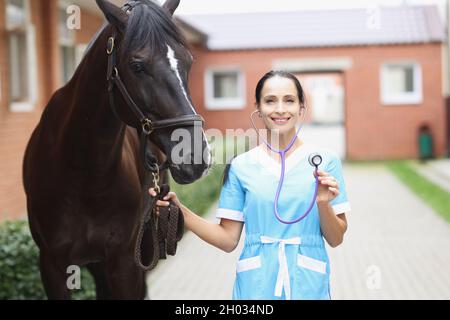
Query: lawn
432	194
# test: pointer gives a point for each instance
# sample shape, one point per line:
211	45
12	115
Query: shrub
19	267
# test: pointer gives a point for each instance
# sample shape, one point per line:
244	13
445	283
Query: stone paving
396	247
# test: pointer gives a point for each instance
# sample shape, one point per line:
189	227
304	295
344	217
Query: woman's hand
171	196
328	187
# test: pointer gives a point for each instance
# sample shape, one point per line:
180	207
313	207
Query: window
224	89
401	83
20	35
67	48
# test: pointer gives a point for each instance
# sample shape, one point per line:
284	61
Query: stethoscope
314	160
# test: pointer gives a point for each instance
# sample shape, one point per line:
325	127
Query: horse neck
91	126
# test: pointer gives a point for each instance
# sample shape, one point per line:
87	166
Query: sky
234	6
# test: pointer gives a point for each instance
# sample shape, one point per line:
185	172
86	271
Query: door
325	122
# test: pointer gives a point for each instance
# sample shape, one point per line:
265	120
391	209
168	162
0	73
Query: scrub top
280	261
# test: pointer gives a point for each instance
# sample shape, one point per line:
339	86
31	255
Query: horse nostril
188	159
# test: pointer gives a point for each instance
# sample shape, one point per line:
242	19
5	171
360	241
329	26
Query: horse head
154	61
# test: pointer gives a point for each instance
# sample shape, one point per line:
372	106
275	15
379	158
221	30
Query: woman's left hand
328	187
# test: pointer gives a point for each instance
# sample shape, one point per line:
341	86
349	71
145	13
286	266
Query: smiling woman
284	256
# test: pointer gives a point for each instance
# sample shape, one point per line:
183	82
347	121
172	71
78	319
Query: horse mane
150	26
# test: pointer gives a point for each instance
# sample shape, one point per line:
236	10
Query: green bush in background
19	266
19	271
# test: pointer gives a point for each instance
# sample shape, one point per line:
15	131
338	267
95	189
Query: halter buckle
156	180
115	73
147	126
110	46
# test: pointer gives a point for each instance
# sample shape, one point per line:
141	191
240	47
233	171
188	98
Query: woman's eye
269	101
137	67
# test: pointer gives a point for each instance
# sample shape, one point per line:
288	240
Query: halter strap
147	125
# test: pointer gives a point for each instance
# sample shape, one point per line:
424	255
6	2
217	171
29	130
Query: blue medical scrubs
280	261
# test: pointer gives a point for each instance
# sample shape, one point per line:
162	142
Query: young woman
280	260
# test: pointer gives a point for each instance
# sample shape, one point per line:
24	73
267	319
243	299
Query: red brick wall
378	132
16	128
373	131
3	73
90	23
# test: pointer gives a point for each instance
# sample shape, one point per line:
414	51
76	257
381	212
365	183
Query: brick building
371	80
37	56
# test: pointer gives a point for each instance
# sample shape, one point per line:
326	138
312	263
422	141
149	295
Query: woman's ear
258	111
302	109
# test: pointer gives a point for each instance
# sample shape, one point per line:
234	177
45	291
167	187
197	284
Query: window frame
213	103
28	104
413	98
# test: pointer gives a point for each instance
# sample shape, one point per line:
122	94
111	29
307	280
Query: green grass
432	194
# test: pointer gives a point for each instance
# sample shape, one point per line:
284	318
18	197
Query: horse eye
137	66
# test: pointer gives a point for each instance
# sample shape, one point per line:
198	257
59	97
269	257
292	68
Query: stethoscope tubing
282	154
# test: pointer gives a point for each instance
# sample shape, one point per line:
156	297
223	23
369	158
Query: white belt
283	271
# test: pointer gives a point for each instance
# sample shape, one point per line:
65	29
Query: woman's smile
280	120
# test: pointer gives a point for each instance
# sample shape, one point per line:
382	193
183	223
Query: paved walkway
396	247
438	171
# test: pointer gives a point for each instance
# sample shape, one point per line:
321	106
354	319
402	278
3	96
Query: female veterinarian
288	204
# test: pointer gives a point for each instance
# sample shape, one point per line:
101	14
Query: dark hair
149	26
227	170
283	74
259	87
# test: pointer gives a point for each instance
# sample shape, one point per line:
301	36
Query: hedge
19	266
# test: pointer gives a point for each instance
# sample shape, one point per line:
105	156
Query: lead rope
144	226
165	230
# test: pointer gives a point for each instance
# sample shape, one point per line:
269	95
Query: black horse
83	172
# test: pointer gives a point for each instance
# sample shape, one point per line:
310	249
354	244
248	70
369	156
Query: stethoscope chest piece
315	159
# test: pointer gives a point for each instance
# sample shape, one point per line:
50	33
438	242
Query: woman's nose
280	106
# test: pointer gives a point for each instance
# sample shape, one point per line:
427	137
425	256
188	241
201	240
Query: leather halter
147	125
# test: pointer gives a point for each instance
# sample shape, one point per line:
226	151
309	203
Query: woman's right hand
171	196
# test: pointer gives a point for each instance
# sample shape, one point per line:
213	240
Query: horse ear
115	16
170	6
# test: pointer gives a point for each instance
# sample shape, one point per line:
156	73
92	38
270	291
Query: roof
350	27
